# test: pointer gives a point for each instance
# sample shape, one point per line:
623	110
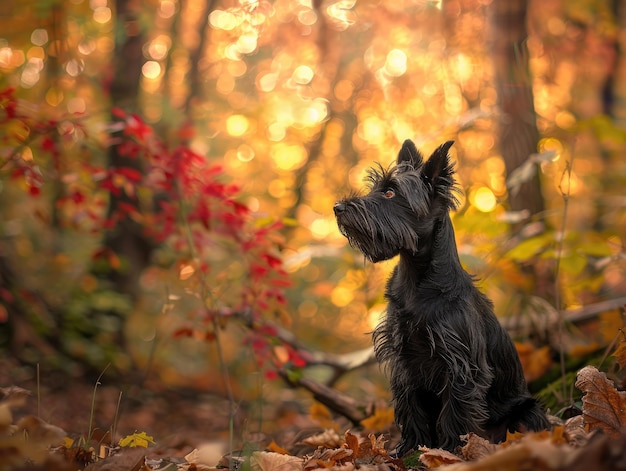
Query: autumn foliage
225	256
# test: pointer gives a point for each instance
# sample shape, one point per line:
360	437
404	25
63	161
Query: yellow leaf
276	448
321	414
381	420
136	439
535	361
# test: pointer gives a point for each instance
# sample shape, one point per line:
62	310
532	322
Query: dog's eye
389	193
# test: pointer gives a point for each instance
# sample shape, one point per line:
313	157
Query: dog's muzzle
339	208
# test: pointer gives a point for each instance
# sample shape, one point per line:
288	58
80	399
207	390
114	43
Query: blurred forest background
168	170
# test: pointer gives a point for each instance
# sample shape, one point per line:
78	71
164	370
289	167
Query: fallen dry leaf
209	455
477	447
276	448
327	458
602	453
38	430
352	443
574	431
435	457
603	406
529	453
270	461
328	439
381	420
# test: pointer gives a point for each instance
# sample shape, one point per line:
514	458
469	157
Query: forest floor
168	429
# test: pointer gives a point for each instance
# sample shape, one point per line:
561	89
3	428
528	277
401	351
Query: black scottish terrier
453	368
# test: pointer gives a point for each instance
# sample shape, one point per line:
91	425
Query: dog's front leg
414	414
463	410
466	383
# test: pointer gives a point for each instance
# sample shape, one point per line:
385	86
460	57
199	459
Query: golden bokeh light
341	296
151	70
237	125
396	63
159	46
483	199
277	188
375	314
54	96
224	20
302	75
39	37
288	156
102	15
322	227
167	8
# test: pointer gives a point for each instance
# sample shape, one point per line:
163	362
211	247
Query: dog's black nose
339	208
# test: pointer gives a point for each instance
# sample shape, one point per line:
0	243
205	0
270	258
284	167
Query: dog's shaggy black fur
453	369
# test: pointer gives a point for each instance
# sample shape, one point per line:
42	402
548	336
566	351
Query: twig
565	194
331	398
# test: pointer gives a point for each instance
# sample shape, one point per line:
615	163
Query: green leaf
595	248
136	439
573	264
528	248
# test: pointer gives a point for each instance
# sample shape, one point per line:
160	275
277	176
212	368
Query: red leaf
296	359
77	197
130	173
118	112
280	282
48	144
6	295
271	374
183	332
272	261
258	271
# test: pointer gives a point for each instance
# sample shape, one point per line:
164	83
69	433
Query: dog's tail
527	415
524	414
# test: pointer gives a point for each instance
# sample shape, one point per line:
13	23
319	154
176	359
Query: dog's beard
378	238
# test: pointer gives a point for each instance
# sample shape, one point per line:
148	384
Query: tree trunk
126	239
518	135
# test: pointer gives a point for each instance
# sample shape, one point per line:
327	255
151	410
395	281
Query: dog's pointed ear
409	155
438	166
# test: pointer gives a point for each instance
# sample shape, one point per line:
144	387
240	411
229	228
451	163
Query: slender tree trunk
518	135
126	238
618	103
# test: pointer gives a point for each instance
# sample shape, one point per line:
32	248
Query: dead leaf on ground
276	448
327	458
435	457
530	452
327	439
270	461
476	447
603	406
574	431
381	419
